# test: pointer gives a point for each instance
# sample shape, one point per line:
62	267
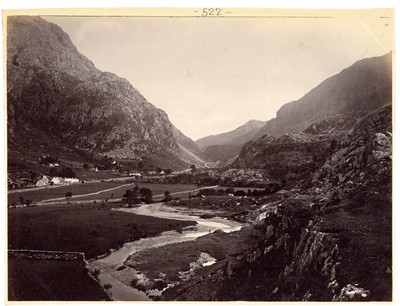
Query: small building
135	174
57	180
44	181
69	180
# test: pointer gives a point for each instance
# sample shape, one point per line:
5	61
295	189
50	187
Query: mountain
226	145
327	113
366	85
60	103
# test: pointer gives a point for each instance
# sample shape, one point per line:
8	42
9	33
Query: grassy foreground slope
50	280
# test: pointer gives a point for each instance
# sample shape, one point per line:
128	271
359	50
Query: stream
111	267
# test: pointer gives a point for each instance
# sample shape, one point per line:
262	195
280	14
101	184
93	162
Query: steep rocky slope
57	98
226	145
366	85
363	156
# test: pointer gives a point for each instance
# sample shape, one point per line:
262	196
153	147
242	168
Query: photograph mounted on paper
199	154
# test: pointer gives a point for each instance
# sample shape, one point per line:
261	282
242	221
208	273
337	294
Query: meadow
90	228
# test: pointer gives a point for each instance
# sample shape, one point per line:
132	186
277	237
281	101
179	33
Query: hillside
366	85
226	145
60	103
291	157
189	149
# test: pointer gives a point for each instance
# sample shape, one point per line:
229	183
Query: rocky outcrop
56	97
294	261
290	157
362	158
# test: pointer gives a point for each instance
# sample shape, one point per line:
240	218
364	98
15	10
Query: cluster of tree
229	182
23	201
65	172
137	195
48	160
238	193
202	179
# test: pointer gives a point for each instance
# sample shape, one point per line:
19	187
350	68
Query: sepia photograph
199	154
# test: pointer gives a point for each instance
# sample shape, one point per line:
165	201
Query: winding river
112	269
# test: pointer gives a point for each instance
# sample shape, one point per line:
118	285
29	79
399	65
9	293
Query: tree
167	196
68	196
240	193
67	172
85	166
140	165
229	190
193	167
147	194
158	169
168	171
131	196
53	172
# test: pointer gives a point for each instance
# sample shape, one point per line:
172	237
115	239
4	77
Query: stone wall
46	255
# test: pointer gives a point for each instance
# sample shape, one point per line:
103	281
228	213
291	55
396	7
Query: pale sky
212	75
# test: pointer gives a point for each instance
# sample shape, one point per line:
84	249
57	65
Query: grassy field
90	228
87	188
51	280
157	189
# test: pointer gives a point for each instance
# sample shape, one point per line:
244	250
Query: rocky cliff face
57	97
365	85
363	156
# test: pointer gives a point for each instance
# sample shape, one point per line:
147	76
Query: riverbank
154	264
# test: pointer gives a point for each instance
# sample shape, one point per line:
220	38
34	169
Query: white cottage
44	181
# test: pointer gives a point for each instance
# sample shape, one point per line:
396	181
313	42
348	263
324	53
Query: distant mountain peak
226	145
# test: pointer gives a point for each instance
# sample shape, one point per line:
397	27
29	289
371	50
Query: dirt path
87	194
